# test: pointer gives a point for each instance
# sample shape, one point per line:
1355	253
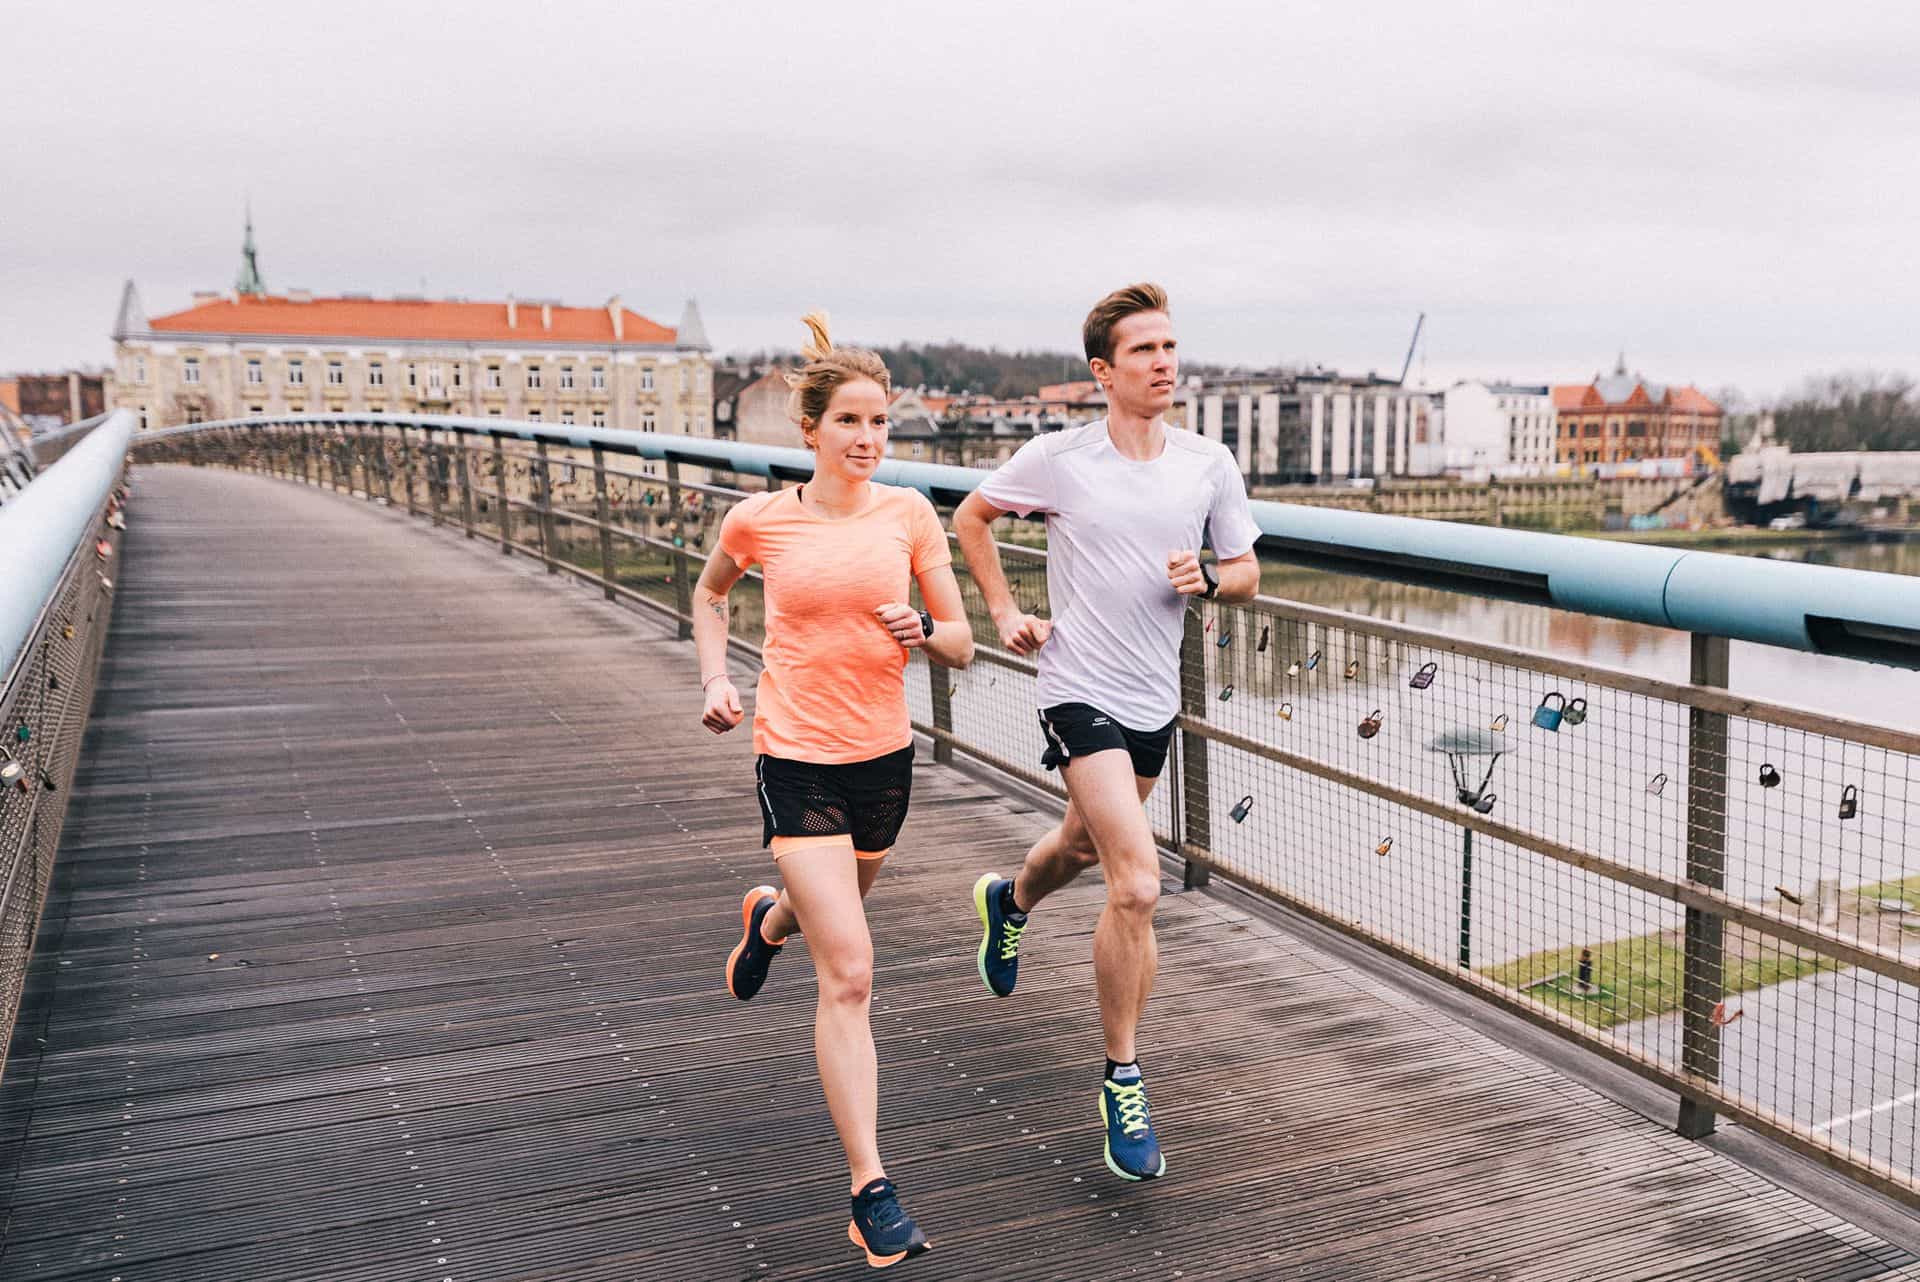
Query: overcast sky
1730	192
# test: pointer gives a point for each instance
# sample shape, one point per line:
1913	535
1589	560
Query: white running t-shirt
1111	523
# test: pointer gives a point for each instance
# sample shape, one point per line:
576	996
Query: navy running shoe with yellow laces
1132	1151
880	1228
1000	932
747	963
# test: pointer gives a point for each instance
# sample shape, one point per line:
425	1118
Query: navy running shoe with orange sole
747	964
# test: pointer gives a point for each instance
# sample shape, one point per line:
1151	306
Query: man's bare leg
1107	795
1066	851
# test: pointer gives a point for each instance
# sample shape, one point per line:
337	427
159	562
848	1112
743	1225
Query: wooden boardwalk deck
386	944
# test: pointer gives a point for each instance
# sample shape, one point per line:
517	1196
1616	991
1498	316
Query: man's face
1145	367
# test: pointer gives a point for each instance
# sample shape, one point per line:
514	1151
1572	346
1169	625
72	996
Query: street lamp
1463	746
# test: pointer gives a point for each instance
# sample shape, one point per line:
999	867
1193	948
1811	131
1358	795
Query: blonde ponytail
827	368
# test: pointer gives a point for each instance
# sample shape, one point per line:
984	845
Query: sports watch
1213	580
926	624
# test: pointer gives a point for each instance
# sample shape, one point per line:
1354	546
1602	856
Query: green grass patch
1907	888
1641	977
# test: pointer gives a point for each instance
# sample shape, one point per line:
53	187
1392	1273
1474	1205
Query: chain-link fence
43	717
1716	892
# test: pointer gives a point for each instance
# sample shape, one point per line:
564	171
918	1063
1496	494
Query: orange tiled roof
10	394
1694	400
1571	396
376	318
1079	391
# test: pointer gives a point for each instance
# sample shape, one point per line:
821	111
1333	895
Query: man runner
1127	499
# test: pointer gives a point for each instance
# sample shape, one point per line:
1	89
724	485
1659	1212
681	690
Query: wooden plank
483	866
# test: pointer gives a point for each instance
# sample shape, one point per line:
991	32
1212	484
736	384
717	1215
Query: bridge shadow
386	939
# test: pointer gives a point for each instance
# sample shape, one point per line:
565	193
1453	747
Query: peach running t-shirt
834	687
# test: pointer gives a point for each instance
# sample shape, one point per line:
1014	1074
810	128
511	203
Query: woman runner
833	742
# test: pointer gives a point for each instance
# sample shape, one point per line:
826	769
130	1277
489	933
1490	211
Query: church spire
249	281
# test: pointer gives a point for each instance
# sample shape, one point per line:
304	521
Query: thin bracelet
710	680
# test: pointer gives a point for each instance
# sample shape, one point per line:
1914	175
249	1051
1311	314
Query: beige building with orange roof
1622	417
247	352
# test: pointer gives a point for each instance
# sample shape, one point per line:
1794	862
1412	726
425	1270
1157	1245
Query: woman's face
851	437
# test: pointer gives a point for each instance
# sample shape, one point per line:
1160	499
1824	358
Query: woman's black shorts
1080	729
866	800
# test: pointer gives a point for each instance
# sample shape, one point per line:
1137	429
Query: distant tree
1851	411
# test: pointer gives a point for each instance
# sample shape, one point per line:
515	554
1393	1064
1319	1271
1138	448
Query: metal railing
1711	890
61	536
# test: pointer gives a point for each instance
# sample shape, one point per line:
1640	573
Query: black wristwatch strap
926	623
1213	580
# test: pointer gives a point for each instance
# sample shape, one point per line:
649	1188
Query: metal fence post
940	684
406	468
1196	793
466	483
682	590
386	470
500	481
604	511
432	452
545	510
1703	976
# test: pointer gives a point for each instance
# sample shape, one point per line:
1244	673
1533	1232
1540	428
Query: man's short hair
1097	333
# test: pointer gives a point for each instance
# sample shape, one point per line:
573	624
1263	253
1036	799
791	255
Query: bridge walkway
386	944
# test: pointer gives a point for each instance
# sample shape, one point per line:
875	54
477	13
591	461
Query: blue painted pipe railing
1859	614
43	524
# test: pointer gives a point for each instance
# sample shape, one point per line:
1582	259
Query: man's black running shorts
1080	729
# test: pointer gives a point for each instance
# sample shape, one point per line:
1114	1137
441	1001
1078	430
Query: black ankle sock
1114	1066
1007	905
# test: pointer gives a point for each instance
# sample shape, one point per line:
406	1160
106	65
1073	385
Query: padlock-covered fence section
1717	893
56	601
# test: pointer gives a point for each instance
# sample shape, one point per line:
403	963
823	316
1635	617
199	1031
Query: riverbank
1732	536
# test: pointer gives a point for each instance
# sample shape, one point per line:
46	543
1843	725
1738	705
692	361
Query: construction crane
1408	363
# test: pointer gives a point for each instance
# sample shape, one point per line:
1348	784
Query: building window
296	374
190	371
597	378
376	409
194	415
533	416
255	374
493	411
599	418
566	378
646	421
139	369
256	409
646	379
566	416
459	374
413	376
336	374
916	449
533	378
493	376
143	416
436	377
376	375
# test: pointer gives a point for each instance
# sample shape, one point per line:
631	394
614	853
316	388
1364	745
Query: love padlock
1658	782
1424	678
1552	708
1224	640
1286	712
103	549
1226	693
1265	631
1485	804
67	632
11	772
53	682
1576	712
1386	844
1313	661
24	734
1769	777
1241	808
1370	726
1500	723
1849	801
1353	668
1293	669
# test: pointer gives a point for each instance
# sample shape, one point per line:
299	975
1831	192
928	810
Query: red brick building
1623	417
